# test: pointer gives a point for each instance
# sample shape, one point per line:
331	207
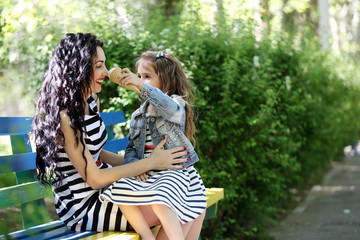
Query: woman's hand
130	78
165	159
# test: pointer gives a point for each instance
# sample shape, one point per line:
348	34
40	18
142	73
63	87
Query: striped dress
76	203
181	190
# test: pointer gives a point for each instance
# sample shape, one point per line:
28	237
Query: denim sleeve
170	108
130	152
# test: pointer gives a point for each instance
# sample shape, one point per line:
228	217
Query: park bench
28	195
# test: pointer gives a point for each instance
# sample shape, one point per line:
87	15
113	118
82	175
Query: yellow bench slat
213	195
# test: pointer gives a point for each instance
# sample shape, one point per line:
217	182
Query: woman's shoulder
95	97
64	116
97	100
64	119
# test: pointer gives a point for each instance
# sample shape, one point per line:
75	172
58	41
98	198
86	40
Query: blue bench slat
25	233
27	161
15	125
61	233
22	125
54	234
74	235
22	193
18	162
53	230
116	145
112	118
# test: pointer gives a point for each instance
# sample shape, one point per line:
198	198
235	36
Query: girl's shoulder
138	111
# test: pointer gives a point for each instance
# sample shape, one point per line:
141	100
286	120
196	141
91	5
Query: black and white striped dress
77	204
181	190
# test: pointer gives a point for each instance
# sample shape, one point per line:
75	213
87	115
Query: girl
70	134
165	114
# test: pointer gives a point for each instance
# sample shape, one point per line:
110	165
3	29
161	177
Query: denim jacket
168	121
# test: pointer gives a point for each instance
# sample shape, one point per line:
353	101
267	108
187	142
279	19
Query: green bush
269	116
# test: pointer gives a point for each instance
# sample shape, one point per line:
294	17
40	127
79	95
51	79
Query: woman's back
75	200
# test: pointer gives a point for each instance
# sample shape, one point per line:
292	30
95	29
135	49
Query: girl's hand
142	177
130	78
165	159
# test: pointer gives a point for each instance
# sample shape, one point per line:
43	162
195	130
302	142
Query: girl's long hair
173	81
65	84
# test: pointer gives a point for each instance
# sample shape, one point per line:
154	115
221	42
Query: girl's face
99	70
147	73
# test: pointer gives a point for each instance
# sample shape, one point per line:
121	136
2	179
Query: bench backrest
23	189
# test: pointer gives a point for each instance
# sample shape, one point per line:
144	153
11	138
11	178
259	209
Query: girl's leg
191	229
137	220
169	222
195	227
150	217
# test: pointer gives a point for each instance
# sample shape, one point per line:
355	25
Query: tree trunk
171	7
288	18
220	16
259	23
355	22
312	19
324	26
266	15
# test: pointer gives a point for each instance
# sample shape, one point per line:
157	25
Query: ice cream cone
115	75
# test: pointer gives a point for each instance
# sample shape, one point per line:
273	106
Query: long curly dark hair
65	83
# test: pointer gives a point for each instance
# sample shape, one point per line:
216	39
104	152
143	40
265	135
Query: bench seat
29	194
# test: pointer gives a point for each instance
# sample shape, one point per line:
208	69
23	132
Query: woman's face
99	70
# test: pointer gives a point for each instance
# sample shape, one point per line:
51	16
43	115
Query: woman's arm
111	158
98	178
105	156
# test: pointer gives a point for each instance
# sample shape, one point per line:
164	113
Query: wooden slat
57	235
53	230
18	162
22	125
37	230
213	195
33	210
15	125
114	236
211	211
116	145
112	118
23	193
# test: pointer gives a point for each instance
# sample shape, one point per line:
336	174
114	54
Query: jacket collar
141	110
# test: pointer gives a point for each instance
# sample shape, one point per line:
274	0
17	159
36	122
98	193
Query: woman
69	136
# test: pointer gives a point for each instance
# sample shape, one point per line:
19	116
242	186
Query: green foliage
271	114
